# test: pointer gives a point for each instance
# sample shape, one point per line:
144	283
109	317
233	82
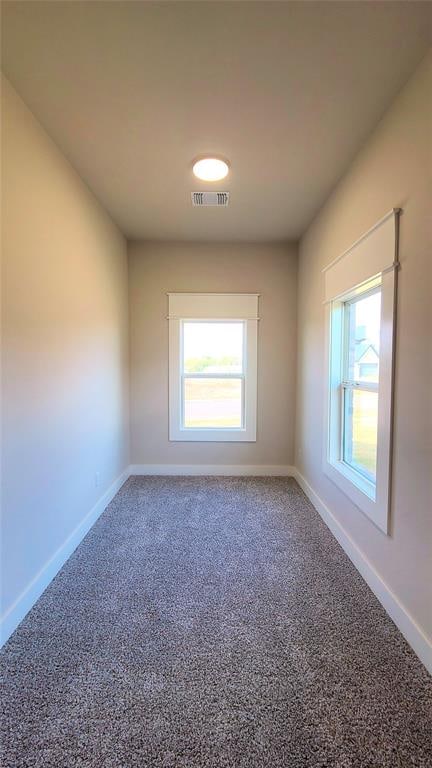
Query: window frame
373	499
213	308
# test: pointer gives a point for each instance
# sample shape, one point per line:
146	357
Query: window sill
362	483
212	435
358	491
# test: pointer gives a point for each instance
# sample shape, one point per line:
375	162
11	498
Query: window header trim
373	254
213	306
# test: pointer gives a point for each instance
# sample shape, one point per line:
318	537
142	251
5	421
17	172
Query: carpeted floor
212	622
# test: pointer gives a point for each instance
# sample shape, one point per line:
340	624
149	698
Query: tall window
360	296
355	321
213	362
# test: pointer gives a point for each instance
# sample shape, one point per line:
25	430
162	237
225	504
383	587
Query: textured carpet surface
212	622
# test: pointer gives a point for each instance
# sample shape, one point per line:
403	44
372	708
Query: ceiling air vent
210	198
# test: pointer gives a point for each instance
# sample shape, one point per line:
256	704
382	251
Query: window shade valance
217	306
374	253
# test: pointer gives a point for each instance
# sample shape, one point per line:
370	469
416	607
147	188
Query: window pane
213	403
360	431
213	347
363	338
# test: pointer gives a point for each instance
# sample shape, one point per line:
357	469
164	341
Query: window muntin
360	378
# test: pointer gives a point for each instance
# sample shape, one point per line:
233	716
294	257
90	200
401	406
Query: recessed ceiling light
210	169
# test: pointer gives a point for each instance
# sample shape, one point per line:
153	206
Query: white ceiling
288	91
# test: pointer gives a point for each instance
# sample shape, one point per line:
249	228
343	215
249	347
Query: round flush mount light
210	169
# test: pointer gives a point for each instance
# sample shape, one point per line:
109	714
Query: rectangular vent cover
210	198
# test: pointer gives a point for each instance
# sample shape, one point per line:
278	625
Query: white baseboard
239	470
419	642
15	614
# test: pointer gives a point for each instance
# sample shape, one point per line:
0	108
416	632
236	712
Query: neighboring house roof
365	352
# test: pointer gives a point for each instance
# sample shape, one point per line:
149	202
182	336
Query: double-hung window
213	366
360	297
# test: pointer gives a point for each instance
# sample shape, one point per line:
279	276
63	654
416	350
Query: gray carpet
212	622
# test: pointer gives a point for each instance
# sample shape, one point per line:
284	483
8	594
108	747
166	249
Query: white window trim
373	500
213	308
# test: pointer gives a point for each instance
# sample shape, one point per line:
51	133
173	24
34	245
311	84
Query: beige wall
64	349
271	270
394	169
